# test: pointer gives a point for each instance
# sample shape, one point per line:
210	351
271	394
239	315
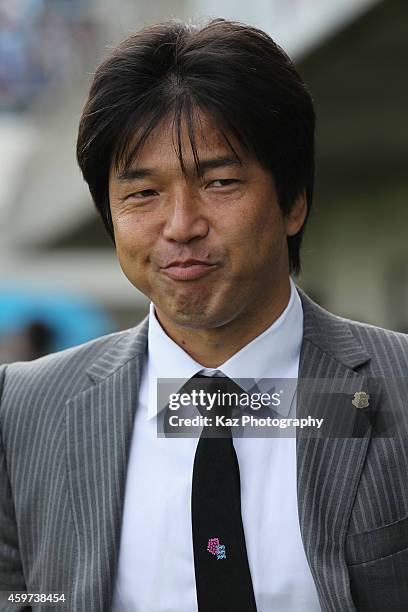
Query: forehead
184	144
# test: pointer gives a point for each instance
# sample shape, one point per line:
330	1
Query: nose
185	220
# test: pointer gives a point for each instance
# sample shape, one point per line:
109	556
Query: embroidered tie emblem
215	548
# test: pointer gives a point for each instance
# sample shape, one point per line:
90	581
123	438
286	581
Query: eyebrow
130	174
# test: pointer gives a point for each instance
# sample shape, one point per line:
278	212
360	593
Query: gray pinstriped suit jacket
65	427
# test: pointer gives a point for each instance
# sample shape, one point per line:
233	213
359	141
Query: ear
295	219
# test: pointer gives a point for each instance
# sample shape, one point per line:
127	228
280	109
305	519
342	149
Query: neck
212	347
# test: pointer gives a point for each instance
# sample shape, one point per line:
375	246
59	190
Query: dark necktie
223	578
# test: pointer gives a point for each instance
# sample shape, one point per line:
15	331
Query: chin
193	320
199	311
198	319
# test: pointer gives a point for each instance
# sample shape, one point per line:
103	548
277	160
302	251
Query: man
197	146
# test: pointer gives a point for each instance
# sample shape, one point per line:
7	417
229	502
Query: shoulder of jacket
72	363
353	342
366	332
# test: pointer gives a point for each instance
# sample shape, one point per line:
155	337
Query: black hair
234	73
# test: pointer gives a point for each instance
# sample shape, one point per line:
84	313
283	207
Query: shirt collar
272	354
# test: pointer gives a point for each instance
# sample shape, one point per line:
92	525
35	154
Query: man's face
206	249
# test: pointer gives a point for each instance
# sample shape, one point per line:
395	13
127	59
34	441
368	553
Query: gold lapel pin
360	399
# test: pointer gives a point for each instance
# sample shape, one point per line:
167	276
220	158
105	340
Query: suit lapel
328	469
99	424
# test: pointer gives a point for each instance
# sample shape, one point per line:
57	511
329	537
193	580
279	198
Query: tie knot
214	395
215	398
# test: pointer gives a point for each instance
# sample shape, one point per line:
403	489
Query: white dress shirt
156	566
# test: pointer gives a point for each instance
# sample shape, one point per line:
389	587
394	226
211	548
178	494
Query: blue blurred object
72	319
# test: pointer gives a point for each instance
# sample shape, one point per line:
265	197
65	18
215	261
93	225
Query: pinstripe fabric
68	497
353	486
65	429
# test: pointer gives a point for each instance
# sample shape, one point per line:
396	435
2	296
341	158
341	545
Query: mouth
190	270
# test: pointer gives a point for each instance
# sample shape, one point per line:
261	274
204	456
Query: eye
218	183
145	193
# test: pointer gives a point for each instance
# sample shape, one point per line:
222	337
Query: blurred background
60	283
